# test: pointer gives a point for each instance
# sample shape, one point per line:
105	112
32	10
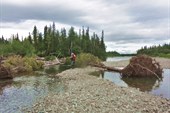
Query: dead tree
4	72
139	66
106	67
142	66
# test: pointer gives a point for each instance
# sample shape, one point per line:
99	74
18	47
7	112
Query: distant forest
115	53
55	42
162	51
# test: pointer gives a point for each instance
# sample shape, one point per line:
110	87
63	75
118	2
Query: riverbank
86	93
164	62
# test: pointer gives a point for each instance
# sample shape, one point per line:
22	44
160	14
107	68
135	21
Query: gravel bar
85	93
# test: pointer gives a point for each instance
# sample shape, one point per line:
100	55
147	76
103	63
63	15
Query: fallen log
106	67
51	63
139	66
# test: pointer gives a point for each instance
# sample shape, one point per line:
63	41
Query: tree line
162	51
55	42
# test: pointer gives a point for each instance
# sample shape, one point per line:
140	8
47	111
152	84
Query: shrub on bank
22	64
68	61
164	55
32	62
48	58
84	59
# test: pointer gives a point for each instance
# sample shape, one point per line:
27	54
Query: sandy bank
88	94
164	62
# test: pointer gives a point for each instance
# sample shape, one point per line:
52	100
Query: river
23	91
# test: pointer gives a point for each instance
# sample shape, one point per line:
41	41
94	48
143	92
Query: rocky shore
85	93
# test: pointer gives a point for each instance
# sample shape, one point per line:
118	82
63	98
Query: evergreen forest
160	50
53	42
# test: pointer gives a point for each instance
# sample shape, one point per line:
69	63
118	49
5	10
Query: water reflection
4	83
52	70
164	88
115	78
25	90
144	84
151	85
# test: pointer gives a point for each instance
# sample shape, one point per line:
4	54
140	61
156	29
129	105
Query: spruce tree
45	41
29	38
35	37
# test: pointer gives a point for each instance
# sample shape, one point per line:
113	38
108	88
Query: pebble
87	94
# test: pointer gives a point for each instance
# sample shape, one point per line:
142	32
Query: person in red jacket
73	59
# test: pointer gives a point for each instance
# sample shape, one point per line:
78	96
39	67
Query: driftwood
139	66
106	67
4	72
51	63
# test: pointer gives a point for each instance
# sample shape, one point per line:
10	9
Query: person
73	58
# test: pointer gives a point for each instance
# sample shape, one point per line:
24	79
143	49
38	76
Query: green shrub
47	58
27	64
13	61
84	59
164	55
31	61
68	61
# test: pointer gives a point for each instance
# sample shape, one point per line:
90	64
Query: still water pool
25	90
151	85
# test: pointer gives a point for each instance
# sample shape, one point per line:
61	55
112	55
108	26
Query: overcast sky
128	24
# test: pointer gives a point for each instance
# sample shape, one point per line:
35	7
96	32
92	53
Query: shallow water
25	90
151	85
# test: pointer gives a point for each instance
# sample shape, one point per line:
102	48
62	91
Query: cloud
24	27
11	13
124	22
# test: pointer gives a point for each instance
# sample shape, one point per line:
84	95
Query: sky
128	24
